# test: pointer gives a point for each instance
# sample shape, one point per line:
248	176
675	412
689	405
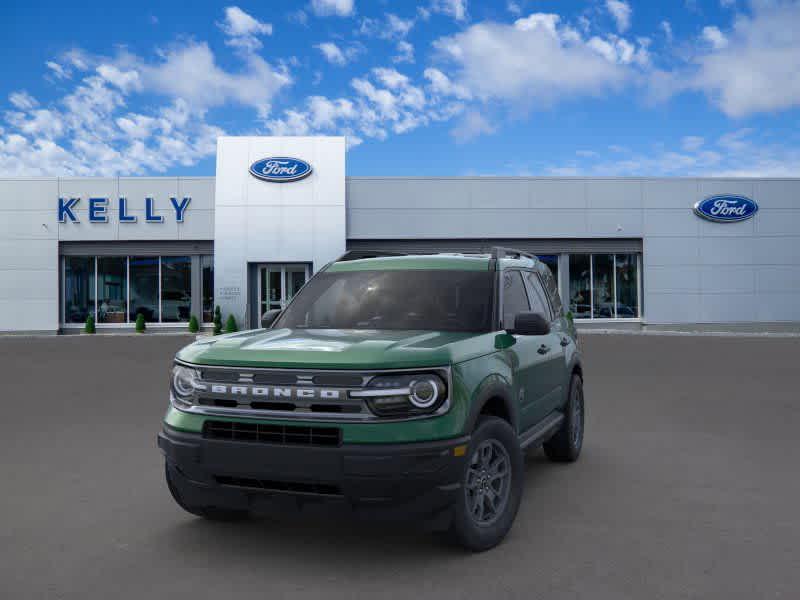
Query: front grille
272	434
352	407
292	487
235	376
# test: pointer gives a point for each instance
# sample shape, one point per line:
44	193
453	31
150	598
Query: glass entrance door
277	284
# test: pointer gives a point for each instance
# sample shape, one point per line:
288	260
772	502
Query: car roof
443	261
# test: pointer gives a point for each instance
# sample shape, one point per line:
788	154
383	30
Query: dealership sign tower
277	219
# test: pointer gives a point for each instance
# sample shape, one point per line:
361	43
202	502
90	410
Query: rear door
550	372
525	357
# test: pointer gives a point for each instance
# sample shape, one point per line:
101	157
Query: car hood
335	348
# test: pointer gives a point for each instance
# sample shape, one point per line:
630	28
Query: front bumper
398	480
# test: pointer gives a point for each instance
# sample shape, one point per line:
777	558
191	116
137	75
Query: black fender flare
493	386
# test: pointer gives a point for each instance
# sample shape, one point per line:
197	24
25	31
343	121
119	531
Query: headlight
407	394
182	385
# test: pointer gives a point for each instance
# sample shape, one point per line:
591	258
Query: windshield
435	300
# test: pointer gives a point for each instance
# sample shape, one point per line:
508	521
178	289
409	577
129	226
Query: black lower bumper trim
415	477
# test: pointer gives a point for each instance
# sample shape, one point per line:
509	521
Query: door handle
543	349
565	341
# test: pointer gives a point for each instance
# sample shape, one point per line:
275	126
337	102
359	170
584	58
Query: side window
551	287
536	293
515	300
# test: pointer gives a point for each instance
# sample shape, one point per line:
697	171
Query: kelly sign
99	208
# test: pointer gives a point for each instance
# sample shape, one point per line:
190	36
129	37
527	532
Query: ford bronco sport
401	385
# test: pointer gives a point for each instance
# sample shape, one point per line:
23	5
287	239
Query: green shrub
89	327
230	325
140	324
194	327
217	321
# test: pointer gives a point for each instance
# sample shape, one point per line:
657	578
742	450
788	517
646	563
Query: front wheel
566	444
491	486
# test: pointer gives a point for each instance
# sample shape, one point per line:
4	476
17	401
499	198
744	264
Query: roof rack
499	252
495	252
364	253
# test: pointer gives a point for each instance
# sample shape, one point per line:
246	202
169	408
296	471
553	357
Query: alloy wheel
488	482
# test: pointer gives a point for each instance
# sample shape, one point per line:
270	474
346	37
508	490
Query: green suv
390	385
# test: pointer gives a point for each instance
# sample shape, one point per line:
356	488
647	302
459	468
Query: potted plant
217	321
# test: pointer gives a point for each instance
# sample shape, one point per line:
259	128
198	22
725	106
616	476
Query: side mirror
268	318
530	323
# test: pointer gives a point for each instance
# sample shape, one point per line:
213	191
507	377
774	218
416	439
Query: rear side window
551	287
515	300
538	298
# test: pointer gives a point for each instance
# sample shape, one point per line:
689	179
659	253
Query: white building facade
627	252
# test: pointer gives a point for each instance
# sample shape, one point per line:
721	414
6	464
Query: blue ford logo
726	209
280	169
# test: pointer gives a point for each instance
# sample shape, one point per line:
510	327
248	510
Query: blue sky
436	87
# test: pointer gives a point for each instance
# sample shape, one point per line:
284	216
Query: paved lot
688	488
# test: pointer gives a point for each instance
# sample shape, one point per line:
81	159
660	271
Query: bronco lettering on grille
295	393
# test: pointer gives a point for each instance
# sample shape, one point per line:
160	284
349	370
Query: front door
278	283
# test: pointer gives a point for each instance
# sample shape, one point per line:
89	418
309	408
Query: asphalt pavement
688	487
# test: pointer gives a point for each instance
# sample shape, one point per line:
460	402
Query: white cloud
405	53
715	37
453	8
441	84
621	11
391	27
191	72
398	27
243	29
336	55
692	143
666	27
385	101
339	8
22	100
735	154
758	70
514	8
471	125
91	130
59	71
127	80
536	60
298	17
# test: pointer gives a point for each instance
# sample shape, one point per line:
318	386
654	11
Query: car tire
566	443
488	499
212	513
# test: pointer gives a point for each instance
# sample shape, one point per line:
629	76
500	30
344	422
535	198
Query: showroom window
112	289
176	289
144	288
117	289
79	288
604	286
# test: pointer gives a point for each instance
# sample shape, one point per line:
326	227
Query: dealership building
627	252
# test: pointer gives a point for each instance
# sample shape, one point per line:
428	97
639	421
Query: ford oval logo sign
280	169
726	209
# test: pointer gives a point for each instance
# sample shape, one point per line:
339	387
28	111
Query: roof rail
365	253
499	252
